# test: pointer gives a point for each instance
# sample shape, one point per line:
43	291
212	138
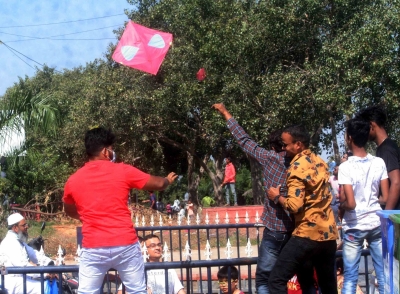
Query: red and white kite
142	48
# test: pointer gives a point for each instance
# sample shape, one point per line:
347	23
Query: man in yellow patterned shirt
308	199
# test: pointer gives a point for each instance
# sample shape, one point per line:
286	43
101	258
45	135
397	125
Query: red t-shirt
100	192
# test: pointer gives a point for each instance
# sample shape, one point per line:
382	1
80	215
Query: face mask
114	155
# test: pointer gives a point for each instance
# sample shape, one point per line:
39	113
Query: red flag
201	74
142	48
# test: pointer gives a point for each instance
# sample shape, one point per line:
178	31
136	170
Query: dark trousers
296	253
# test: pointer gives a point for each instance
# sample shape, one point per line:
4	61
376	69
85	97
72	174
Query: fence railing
196	252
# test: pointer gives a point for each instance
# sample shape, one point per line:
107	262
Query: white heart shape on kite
156	41
128	52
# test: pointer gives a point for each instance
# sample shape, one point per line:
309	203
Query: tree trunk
193	180
334	140
256	181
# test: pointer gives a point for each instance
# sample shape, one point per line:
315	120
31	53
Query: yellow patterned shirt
309	197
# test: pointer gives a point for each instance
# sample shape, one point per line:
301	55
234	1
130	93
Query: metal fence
196	252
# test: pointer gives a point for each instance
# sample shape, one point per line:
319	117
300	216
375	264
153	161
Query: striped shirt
274	217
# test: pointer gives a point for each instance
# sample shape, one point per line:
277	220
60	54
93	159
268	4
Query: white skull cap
14	218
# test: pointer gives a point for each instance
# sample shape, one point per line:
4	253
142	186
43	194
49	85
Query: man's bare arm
394	190
350	202
71	211
159	183
221	108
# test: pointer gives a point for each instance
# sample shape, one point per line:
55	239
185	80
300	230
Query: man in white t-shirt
156	277
361	176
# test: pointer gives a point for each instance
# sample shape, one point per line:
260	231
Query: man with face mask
97	194
16	252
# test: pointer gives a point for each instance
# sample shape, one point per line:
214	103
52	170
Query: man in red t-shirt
229	181
97	195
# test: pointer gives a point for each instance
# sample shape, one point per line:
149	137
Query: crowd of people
303	206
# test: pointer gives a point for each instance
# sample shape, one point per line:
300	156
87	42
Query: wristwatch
276	200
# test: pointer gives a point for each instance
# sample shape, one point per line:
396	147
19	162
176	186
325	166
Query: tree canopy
272	63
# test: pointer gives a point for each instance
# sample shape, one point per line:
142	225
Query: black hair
96	139
150	236
275	141
223	272
375	113
141	239
358	130
299	133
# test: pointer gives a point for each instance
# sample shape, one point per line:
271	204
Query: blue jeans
270	247
230	186
352	246
127	260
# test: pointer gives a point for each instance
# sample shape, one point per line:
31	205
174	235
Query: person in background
96	194
207	201
182	211
387	149
362	176
334	184
190	209
169	208
15	252
224	281
156	277
229	181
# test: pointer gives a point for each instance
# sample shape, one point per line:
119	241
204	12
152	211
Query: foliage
35	176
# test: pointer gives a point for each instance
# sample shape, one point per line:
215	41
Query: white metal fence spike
207	220
198	219
137	221
152	220
144	252
257	218
226	218
166	255
228	250
160	222
237	217
217	219
143	221
208	252
246	219
248	250
188	252
179	220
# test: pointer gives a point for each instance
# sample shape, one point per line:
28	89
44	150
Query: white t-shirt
156	282
365	175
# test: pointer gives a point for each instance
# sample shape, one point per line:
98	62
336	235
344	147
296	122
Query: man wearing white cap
15	252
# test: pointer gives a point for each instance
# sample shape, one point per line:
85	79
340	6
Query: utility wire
12	50
13	41
50	37
62	22
9	48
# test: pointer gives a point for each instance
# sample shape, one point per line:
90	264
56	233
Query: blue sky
62	53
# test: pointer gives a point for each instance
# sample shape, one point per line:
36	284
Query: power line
9	48
50	37
100	39
62	22
12	50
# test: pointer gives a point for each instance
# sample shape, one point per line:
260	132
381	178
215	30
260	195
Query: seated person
16	252
156	277
223	280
